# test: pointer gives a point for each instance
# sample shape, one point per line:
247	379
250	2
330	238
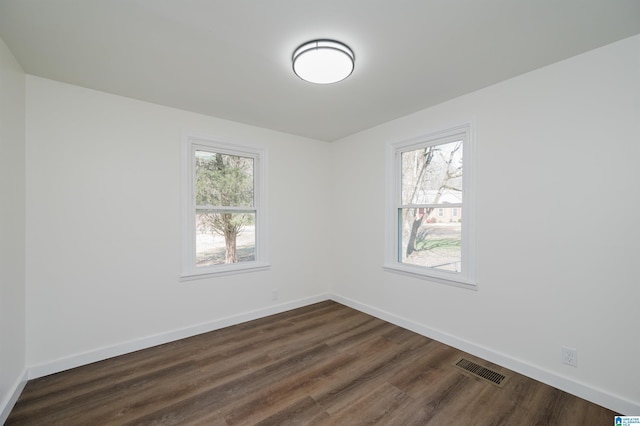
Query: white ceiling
232	58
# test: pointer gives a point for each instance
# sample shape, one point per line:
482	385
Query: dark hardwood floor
324	364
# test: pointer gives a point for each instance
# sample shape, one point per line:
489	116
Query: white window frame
190	144
465	278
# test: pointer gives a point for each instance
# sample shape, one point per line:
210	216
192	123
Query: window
427	190
223	221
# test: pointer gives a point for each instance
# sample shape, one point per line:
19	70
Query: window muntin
223	217
427	193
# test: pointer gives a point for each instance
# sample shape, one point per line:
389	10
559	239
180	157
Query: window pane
430	240
225	237
223	180
432	175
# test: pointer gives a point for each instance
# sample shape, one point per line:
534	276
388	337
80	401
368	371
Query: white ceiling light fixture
323	61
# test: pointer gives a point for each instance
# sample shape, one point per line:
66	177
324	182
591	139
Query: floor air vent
481	372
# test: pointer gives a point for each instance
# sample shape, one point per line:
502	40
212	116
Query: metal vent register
481	372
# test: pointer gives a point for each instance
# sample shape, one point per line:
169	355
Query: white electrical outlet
274	295
570	356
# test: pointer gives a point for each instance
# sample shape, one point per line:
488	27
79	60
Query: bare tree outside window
430	208
431	188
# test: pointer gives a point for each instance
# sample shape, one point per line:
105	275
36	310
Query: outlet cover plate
570	356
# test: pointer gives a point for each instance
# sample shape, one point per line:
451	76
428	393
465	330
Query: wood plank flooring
324	364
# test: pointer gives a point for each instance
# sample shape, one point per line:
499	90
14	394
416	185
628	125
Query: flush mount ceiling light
323	61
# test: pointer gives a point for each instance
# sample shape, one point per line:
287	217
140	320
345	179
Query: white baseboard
605	399
158	339
12	397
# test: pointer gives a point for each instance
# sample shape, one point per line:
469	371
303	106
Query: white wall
557	230
12	228
103	226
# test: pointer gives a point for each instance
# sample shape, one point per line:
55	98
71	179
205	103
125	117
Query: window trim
191	143
466	278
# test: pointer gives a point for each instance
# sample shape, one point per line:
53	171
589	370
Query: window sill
223	270
442	278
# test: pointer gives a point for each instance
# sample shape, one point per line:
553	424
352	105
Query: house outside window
223	220
429	183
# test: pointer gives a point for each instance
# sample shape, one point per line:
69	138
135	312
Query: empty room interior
113	115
